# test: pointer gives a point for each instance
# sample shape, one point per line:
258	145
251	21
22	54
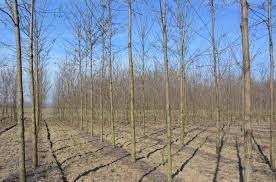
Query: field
67	154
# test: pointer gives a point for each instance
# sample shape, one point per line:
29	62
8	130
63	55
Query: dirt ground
68	154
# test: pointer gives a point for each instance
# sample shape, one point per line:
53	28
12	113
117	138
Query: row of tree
13	89
82	83
228	93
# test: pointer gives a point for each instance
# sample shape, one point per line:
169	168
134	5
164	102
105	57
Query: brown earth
68	154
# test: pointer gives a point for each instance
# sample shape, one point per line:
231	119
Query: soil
68	154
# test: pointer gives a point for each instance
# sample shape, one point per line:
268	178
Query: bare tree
91	42
34	132
163	8
102	67
131	82
246	93
81	73
215	72
20	98
143	30
182	67
37	81
110	72
271	85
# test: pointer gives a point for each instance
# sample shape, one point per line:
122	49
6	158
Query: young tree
163	8
142	35
215	72
20	98
80	73
91	86
271	85
131	81
246	93
182	67
5	87
110	72
34	132
102	67
37	81
90	45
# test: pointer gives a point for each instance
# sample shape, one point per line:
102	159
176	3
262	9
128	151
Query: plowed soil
68	154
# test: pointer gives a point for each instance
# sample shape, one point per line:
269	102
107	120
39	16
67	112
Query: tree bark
20	98
102	74
131	82
182	70
37	83
143	82
215	72
91	86
81	78
246	94
110	72
271	85
34	132
163	9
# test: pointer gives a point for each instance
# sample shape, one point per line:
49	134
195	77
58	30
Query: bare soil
68	154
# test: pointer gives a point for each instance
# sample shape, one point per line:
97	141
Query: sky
227	30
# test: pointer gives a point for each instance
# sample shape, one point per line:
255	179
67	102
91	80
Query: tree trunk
131	81
271	85
37	111
163	9
34	133
102	75
215	69
81	79
110	73
182	70
246	94
143	84
91	87
20	99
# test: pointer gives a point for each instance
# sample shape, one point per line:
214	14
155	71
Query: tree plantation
137	90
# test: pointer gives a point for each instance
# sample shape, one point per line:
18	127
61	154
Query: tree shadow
85	154
239	161
191	140
164	146
7	129
99	167
219	154
184	164
263	156
153	169
188	160
64	179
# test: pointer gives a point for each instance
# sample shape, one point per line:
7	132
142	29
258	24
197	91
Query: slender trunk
37	110
163	9
102	77
182	69
85	95
272	119
91	87
131	81
20	99
214	57
5	95
34	134
81	79
143	37
143	86
247	94
110	73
